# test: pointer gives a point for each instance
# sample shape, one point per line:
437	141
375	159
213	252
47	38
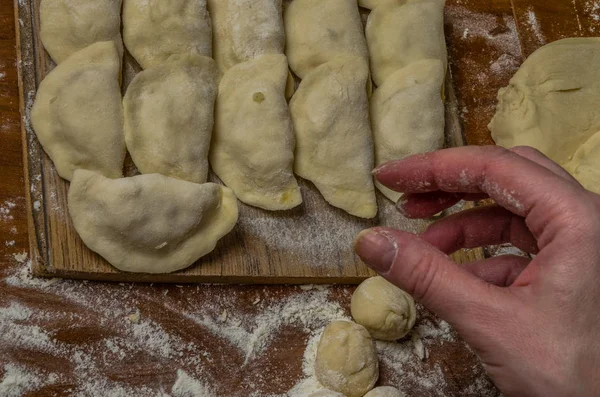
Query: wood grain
310	244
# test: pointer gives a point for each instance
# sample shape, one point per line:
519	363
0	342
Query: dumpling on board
407	114
77	114
169	117
334	144
150	223
67	26
252	148
153	30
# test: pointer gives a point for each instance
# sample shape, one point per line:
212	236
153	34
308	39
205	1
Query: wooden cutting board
310	244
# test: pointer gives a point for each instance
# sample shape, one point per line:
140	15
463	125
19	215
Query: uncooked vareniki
252	149
150	223
407	114
169	116
245	29
317	31
585	164
400	33
385	391
77	113
153	30
67	26
334	145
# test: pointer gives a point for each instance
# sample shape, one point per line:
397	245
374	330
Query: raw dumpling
245	29
551	103
77	114
317	31
346	359
326	393
150	223
67	26
371	4
334	145
153	30
169	116
585	165
252	150
401	33
385	391
407	114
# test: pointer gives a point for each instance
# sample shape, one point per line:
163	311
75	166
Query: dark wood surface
100	339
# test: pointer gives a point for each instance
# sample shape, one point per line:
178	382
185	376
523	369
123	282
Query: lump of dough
407	114
585	164
169	117
346	359
317	31
551	103
67	26
252	148
334	145
153	30
387	312
372	4
401	33
326	393
150	223
385	391
77	113
245	29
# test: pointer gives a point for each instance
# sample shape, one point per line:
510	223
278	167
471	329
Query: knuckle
424	274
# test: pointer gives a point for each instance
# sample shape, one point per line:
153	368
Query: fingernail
400	204
376	249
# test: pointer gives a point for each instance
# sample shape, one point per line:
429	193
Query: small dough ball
346	359
385	391
386	311
326	393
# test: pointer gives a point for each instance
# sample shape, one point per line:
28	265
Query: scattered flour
535	26
186	386
18	381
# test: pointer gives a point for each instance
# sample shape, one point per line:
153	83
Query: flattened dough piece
404	32
169	117
407	114
334	144
585	164
77	114
317	31
153	30
245	29
551	103
150	223
252	150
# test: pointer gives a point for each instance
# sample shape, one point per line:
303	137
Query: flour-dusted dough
150	223
77	114
585	164
317	31
245	29
252	150
326	393
169	117
67	26
153	30
407	114
551	103
334	144
403	32
387	312
385	391
346	359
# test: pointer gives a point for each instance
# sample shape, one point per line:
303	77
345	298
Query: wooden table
98	339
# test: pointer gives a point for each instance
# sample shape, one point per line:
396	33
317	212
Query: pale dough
403	32
585	164
67	26
334	144
387	312
318	31
77	113
245	29
169	117
153	30
372	4
150	223
252	148
346	359
326	393
407	114
385	391
551	103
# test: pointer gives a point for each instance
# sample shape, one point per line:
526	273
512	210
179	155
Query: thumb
430	276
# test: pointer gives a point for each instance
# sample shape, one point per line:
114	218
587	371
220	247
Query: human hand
534	323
